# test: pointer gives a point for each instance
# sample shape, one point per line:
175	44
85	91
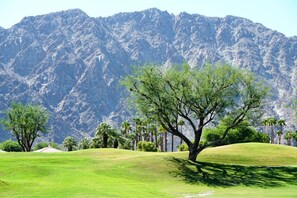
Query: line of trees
167	100
275	127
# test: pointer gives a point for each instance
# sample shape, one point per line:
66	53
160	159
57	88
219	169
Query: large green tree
26	123
199	97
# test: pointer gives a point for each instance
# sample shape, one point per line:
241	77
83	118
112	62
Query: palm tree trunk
165	139
181	131
172	142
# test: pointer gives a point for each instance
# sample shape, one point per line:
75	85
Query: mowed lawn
239	170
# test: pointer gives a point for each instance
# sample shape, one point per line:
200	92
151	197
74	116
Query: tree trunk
162	142
172	142
156	139
279	139
115	144
193	153
105	139
272	136
181	140
165	141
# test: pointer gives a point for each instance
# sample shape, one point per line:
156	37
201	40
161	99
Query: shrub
146	146
183	147
10	146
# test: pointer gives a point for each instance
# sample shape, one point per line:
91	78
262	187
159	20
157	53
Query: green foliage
206	95
146	146
69	143
84	143
104	131
10	146
96	142
26	123
289	136
242	133
42	145
183	147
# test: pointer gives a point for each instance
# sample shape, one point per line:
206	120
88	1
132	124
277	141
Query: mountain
71	63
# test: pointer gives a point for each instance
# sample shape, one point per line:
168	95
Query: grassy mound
240	170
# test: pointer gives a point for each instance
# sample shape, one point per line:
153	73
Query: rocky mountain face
71	63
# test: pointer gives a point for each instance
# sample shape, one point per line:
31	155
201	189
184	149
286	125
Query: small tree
103	131
271	122
96	142
279	134
289	136
126	128
84	143
69	143
199	97
26	123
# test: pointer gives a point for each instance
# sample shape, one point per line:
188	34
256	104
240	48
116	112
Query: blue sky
280	15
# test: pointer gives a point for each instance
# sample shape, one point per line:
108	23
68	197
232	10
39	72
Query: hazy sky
280	15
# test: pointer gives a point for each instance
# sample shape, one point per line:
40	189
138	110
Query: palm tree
271	122
138	129
280	123
295	137
116	137
103	130
181	123
288	136
84	143
69	143
279	134
164	139
126	128
265	124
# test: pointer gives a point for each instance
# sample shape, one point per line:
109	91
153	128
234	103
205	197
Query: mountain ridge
71	63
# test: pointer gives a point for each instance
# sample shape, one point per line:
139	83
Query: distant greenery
26	123
10	146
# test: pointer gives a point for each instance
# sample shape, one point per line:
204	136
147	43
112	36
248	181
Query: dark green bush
237	135
10	146
146	146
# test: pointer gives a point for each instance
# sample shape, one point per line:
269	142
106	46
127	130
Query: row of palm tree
148	130
270	124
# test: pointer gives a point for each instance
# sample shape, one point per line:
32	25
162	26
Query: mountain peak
71	63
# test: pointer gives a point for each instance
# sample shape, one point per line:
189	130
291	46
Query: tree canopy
199	97
26	123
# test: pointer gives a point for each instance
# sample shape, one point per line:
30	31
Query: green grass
240	170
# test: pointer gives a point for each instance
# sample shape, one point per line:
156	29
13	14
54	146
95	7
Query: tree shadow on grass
222	175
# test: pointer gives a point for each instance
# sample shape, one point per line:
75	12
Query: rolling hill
240	170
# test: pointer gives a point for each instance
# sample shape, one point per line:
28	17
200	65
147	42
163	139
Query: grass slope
240	170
